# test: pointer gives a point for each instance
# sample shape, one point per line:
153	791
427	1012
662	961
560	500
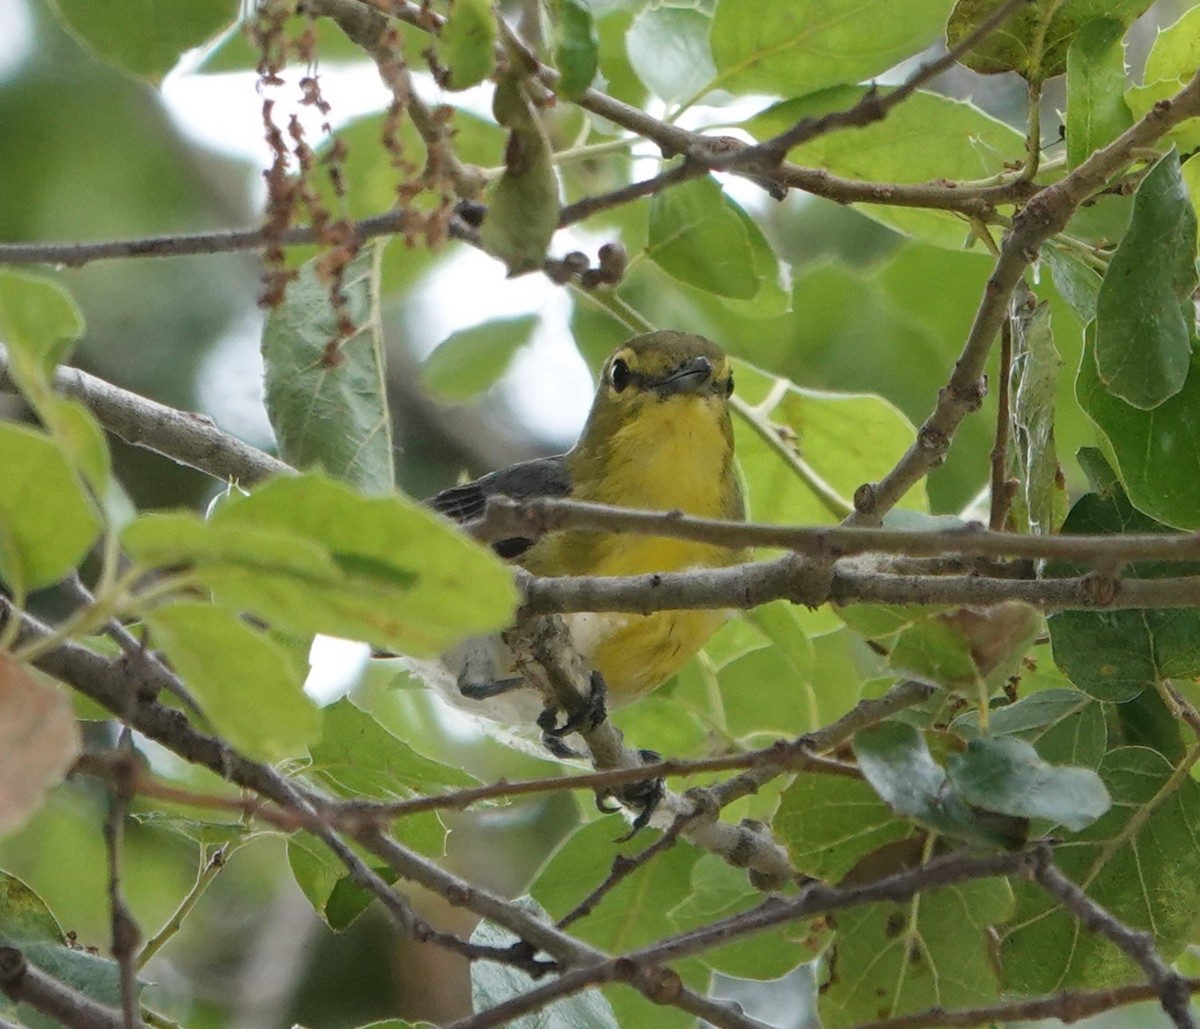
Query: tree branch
1045	214
184	437
1172	989
788	578
505	518
1068	1006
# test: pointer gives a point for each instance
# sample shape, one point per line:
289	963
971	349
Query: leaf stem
209	870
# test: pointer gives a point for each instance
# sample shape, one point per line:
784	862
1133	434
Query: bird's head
659	394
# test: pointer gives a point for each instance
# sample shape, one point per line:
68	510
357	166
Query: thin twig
210	868
622	868
125	932
532	519
875	106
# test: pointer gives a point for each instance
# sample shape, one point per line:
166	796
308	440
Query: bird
659	436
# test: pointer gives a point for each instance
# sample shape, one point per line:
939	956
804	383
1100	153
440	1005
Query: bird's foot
642	797
589	715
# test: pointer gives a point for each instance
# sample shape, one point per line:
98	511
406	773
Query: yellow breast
673	456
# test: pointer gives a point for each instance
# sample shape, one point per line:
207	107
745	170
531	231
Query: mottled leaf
931	952
326	396
1033	382
1139	862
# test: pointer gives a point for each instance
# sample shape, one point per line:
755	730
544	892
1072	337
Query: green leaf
696	236
829	823
668	48
245	683
24	915
324	880
467	43
1005	774
467	362
720	891
1145	321
493	983
576	46
382	569
47	522
1035	39
932	952
358	757
1157	451
95	977
147	39
895	760
1139	862
523	206
1096	108
844	439
1173	60
793	47
326	396
1067	725
1114	655
928	137
39	324
1032	391
632	914
1176	50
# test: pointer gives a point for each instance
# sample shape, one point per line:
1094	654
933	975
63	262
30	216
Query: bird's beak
689	377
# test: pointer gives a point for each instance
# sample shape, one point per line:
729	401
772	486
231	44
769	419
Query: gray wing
543	477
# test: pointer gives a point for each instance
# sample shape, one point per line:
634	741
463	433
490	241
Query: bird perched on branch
658	437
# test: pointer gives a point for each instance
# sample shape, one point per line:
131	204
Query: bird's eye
619	375
729	386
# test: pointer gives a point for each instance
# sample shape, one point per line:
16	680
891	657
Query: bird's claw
643	797
588	716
